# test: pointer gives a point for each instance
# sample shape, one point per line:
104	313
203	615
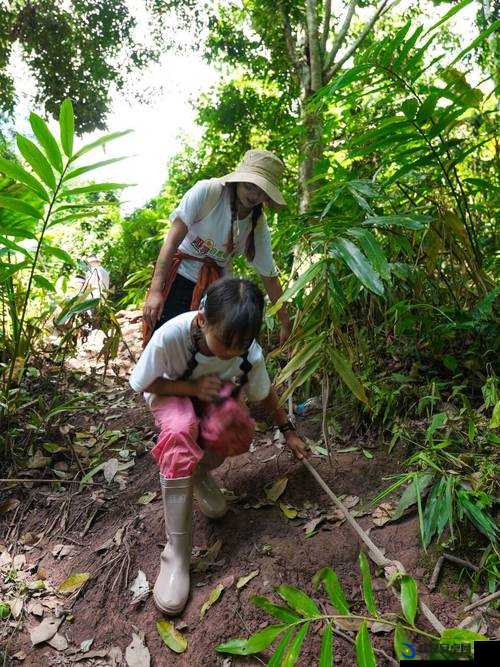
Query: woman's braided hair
256	213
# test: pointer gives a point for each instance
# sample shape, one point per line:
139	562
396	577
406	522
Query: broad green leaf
494	27
67	126
461	636
16	172
456	8
277	657
403	648
91	167
76	305
8	270
495	417
302	376
34	156
298	600
438	421
278	612
171	637
211	600
42	282
73	582
358	264
480	519
293	651
409	495
365	657
20	206
95	187
46	141
100	142
364	566
407	221
373	251
255	644
326	652
13	246
344	369
57	252
333	588
409	598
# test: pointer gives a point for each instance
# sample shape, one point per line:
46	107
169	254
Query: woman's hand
153	307
296	444
207	388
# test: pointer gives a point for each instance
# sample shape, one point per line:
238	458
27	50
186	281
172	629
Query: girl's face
251	195
215	344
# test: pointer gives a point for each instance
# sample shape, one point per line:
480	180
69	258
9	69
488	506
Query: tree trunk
311	152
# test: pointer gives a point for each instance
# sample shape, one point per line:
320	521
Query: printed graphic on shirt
207	247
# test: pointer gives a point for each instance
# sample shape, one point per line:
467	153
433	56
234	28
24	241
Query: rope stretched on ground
373	551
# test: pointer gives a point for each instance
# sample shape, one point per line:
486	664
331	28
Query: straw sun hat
262	168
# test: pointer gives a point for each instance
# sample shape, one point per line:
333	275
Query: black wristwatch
287	426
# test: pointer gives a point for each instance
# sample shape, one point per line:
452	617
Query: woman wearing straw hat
215	220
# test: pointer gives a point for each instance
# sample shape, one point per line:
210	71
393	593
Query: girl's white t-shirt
209	237
168	352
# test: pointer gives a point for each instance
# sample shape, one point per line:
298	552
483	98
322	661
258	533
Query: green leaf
333	588
91	167
438	421
16	172
42	282
373	251
461	636
475	42
4	241
292	654
57	252
67	126
100	142
277	657
365	656
8	270
281	613
344	369
358	264
20	206
457	7
409	495
298	600
495	417
95	187
410	222
402	646
302	281
73	582
326	652
367	584
46	141
300	359
409	598
255	644
34	156
74	306
171	637
305	373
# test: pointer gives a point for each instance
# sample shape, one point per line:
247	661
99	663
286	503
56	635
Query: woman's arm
205	388
154	301
280	418
273	288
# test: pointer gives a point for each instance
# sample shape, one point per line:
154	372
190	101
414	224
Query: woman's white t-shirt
168	352
209	237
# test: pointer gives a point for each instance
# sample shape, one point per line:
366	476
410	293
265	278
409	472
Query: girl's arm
273	289
154	301
205	388
280	418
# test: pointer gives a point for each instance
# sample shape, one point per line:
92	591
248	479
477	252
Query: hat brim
249	177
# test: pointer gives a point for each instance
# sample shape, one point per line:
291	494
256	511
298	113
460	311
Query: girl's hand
297	445
153	308
207	388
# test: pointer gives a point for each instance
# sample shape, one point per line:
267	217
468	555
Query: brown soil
252	538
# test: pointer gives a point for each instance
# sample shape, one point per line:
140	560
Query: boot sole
170	611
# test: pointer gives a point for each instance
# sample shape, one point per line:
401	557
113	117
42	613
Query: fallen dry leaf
86	644
243	581
59	642
211	600
16	607
208	559
110	469
382	514
274	491
5	559
171	637
311	525
19	562
147	497
137	654
46	630
9	505
140	586
62	550
378	627
289	510
73	582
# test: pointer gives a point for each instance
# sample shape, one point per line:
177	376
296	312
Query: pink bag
226	428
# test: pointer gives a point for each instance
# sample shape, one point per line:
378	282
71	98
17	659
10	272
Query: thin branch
291	46
369	25
315	65
327	17
339	39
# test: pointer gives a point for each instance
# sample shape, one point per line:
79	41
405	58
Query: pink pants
225	429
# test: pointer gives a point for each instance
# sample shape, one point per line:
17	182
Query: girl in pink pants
194	372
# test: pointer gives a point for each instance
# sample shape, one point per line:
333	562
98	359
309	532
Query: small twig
439	565
73	450
483	600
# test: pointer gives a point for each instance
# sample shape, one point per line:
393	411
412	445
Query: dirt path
112	532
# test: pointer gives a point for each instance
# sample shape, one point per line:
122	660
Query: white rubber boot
171	589
210	499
